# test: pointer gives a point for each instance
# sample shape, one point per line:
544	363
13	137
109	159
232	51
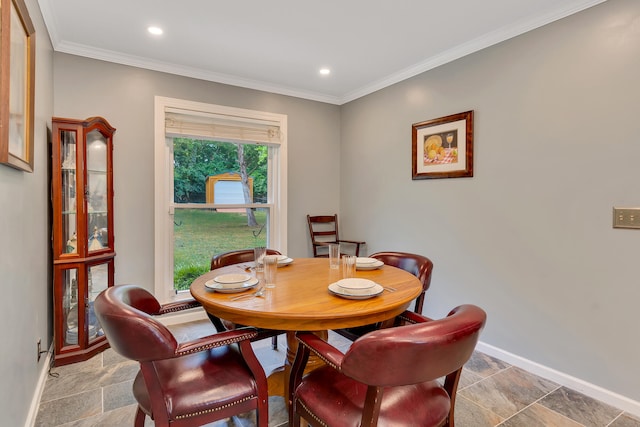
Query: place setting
355	288
231	283
283	260
365	263
261	252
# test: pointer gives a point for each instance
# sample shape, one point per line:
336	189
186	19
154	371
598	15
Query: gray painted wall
25	310
529	237
125	97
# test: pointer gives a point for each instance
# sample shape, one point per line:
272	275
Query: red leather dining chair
418	265
388	377
182	384
324	230
235	257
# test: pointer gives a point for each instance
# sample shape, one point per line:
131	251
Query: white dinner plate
280	258
228	279
365	260
338	291
356	285
285	261
369	266
226	289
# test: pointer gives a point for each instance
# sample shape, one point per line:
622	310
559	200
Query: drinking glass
270	270
348	266
334	256
258	257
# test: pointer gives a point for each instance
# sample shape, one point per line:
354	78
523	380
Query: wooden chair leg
140	416
295	421
262	417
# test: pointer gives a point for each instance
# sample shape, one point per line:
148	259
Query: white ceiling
279	45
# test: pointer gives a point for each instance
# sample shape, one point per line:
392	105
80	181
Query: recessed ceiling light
156	31
325	71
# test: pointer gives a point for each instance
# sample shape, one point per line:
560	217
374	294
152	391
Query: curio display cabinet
82	234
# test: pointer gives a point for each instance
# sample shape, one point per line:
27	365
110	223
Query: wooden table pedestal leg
278	379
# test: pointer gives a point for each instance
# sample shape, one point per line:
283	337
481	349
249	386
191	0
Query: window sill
192	315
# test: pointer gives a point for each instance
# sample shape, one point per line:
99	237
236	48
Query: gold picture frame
443	147
17	84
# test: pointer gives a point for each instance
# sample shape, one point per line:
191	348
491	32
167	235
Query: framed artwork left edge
16	12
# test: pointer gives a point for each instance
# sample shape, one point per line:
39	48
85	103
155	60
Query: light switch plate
626	217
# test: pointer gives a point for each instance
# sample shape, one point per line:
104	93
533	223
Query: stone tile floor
491	393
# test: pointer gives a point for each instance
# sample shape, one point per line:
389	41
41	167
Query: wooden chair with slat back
323	230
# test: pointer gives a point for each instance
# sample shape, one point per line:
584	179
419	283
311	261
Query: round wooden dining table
301	301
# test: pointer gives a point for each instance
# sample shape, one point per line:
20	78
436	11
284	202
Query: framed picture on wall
443	147
17	81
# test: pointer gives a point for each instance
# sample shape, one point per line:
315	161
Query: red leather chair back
124	313
415	353
418	265
235	257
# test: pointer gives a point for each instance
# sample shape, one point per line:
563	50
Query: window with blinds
220	186
217	127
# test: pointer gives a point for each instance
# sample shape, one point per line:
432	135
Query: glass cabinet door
98	279
96	192
70	308
68	152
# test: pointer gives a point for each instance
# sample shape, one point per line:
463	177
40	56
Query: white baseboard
588	389
37	395
169	319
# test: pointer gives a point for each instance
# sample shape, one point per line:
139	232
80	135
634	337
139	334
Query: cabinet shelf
83	253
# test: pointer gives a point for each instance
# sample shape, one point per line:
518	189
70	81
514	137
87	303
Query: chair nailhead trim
406	319
208	411
194	304
327	361
311	413
218	344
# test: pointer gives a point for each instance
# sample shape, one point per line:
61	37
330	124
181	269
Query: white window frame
163	205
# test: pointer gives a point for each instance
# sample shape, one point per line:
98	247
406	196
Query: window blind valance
218	127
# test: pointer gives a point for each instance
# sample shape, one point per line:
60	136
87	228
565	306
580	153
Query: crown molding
472	46
165	67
